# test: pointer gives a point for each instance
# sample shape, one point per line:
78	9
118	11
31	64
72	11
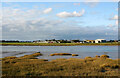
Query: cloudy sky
63	20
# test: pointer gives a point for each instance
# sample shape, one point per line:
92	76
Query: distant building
39	41
100	41
52	42
46	41
89	41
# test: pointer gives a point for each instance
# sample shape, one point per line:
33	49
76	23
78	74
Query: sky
59	20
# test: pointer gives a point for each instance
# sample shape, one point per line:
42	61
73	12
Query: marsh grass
74	54
89	66
63	54
59	44
60	54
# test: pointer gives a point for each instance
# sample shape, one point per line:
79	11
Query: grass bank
59	44
29	65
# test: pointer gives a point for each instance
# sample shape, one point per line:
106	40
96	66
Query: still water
82	51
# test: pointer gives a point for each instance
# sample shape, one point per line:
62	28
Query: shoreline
59	44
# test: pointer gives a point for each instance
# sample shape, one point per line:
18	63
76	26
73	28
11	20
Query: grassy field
29	65
58	44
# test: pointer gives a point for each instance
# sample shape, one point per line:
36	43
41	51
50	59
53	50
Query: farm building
100	41
89	41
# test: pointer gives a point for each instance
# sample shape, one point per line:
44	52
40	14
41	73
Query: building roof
100	39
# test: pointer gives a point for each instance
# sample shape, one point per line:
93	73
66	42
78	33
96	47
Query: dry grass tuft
88	57
97	56
104	56
60	54
115	66
104	65
74	54
32	56
10	57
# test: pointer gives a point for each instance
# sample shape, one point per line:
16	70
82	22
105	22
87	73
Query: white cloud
117	9
65	14
20	19
114	17
31	25
73	14
116	22
12	29
91	3
47	10
110	25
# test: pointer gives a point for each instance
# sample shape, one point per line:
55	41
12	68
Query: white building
100	40
41	42
52	42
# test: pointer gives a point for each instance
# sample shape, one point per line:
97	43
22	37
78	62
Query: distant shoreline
59	44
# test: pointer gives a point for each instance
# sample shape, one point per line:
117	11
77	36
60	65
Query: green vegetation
29	65
60	44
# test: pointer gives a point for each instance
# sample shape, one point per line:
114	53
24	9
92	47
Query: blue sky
63	20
